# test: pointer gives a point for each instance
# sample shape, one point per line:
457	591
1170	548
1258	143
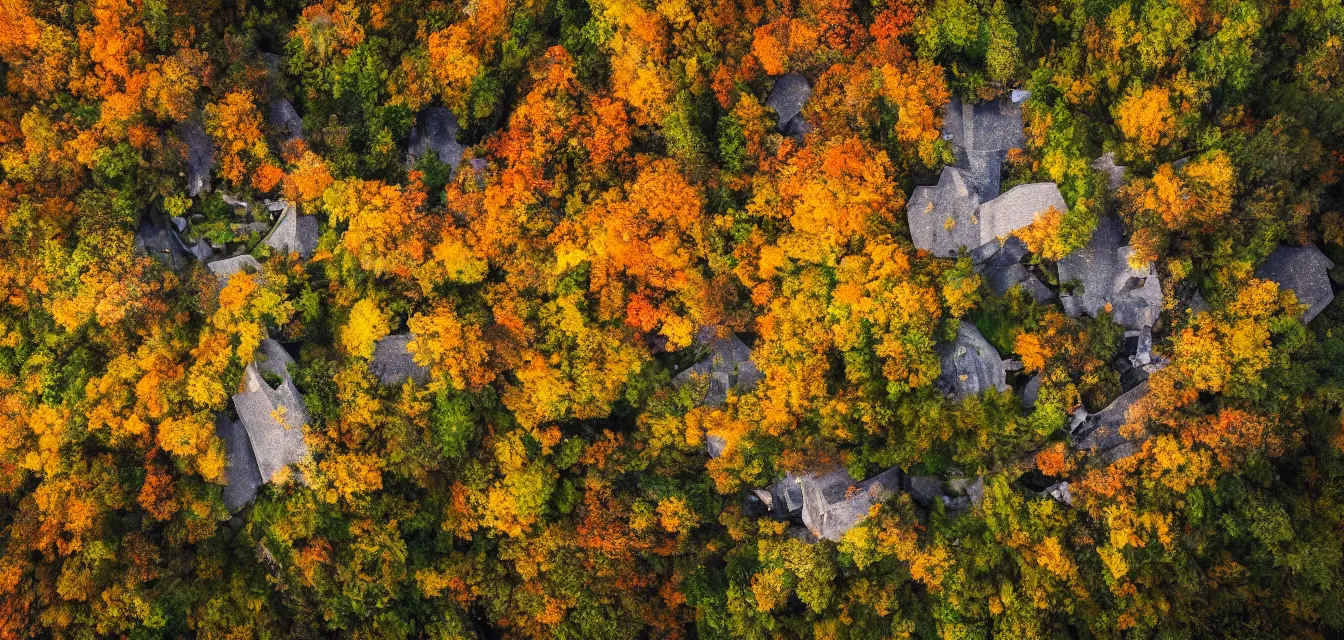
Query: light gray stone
241	476
1100	274
1031	391
1060	493
1115	174
1017	208
393	364
1100	432
970	365
227	267
787	497
293	233
988	126
436	131
200	157
274	418
714	445
1305	272
834	503
787	97
271	358
942	218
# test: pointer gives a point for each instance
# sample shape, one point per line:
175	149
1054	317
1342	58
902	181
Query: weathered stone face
728	367
393	364
1018	208
787	98
293	232
241	476
436	131
833	503
988	126
943	218
970	364
1100	432
285	120
200	156
1100	274
1305	272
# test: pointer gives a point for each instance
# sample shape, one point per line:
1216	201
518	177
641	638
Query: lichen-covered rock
833	503
1100	274
285	120
787	97
241	476
200	157
728	367
1305	272
971	365
436	131
942	218
1100	433
393	364
293	233
988	126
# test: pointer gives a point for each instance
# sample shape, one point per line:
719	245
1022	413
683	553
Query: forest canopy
697	319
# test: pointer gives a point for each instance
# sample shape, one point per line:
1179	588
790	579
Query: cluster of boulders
965	214
267	435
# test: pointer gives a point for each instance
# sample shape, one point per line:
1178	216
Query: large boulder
942	218
833	503
1100	274
1305	272
293	233
970	365
200	157
160	240
274	418
241	476
285	120
436	131
728	367
787	98
1100	433
393	364
987	126
1018	208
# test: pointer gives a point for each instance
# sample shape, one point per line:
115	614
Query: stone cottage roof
436	131
970	364
1304	271
1100	274
200	159
1100	432
833	503
241	477
988	126
293	232
729	366
392	363
942	218
787	98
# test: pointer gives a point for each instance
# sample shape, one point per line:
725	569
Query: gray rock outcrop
393	364
787	97
436	131
728	367
1305	272
970	365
